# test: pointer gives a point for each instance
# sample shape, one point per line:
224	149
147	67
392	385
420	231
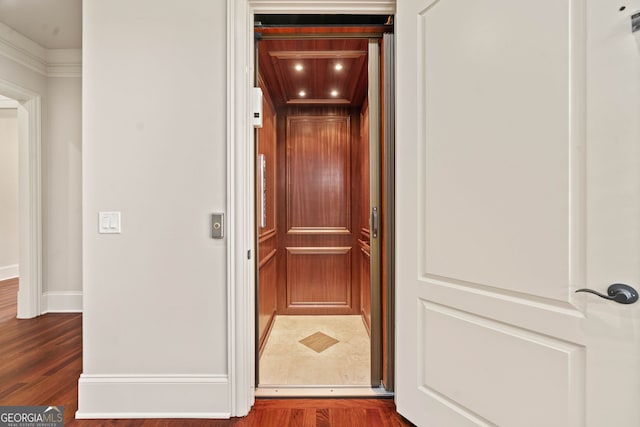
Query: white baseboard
9	272
62	302
153	396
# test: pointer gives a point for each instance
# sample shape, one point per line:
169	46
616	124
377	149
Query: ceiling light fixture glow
338	67
334	93
298	67
302	93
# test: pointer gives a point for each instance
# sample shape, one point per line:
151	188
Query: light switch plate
109	222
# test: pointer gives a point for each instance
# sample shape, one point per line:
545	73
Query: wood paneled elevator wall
266	146
314	247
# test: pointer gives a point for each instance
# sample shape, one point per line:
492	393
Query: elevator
324	198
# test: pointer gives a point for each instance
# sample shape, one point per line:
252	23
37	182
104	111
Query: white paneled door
518	182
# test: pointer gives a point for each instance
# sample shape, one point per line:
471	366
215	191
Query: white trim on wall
241	331
156	396
8	103
29	197
9	272
64	63
62	302
47	62
240	173
371	7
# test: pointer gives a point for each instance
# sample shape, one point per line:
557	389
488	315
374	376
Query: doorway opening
28	115
9	236
323	168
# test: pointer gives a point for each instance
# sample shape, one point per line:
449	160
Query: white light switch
108	222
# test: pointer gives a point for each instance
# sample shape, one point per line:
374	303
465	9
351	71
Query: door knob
618	292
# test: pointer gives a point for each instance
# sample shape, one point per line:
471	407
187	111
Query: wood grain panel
319	276
318	76
318	173
319	236
365	286
267	145
267	236
267	297
363	160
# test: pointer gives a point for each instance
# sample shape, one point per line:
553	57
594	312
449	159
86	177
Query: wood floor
41	360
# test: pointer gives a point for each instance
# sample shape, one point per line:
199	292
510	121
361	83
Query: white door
518	182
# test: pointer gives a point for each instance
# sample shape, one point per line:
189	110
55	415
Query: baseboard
9	272
153	396
62	302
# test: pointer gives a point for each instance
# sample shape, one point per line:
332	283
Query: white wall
62	185
8	193
154	135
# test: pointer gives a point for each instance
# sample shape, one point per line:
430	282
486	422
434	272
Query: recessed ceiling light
338	67
302	93
334	93
299	67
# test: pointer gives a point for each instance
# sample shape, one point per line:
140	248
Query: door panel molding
318	148
448	285
457	223
318	230
318	277
300	250
547	358
318	186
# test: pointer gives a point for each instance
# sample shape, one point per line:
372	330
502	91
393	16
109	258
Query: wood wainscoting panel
266	139
365	286
319	277
318	174
318	205
267	146
267	291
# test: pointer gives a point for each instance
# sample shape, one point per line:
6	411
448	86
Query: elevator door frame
378	182
240	174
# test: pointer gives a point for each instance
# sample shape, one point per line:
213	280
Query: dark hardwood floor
41	360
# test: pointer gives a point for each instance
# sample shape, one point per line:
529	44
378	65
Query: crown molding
22	50
64	62
7	103
47	62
